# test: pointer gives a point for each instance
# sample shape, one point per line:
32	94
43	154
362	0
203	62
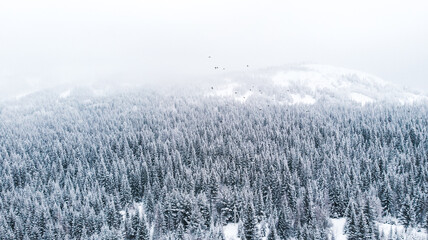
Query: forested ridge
73	169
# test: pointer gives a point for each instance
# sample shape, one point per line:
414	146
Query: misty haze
234	120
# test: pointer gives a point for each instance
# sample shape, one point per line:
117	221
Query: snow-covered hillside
305	84
309	84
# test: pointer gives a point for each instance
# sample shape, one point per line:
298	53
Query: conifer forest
146	165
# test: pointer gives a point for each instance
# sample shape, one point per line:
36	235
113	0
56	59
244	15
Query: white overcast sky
49	42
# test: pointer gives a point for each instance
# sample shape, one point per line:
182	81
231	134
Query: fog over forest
48	43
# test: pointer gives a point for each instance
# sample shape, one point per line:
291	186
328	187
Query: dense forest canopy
73	168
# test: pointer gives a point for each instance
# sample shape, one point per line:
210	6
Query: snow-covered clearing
338	225
230	231
394	229
337	231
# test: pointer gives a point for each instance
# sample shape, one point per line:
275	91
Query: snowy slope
310	84
301	84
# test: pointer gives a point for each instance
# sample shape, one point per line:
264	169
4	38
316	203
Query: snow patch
24	94
412	98
337	229
99	92
361	98
298	99
137	208
65	94
230	231
393	229
224	91
229	90
243	98
310	79
339	71
281	79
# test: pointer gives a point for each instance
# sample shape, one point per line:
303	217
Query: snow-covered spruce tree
272	235
363	227
241	231
426	222
352	224
128	231
213	191
196	219
259	206
216	234
308	215
179	233
158	223
407	213
250	224
284	227
126	193
142	230
387	198
135	225
337	203
372	231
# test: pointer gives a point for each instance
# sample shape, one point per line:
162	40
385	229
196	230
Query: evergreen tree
159	224
284	226
250	224
135	225
142	230
179	234
363	231
272	233
307	216
126	194
387	199
352	225
407	213
241	231
216	233
426	222
372	231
